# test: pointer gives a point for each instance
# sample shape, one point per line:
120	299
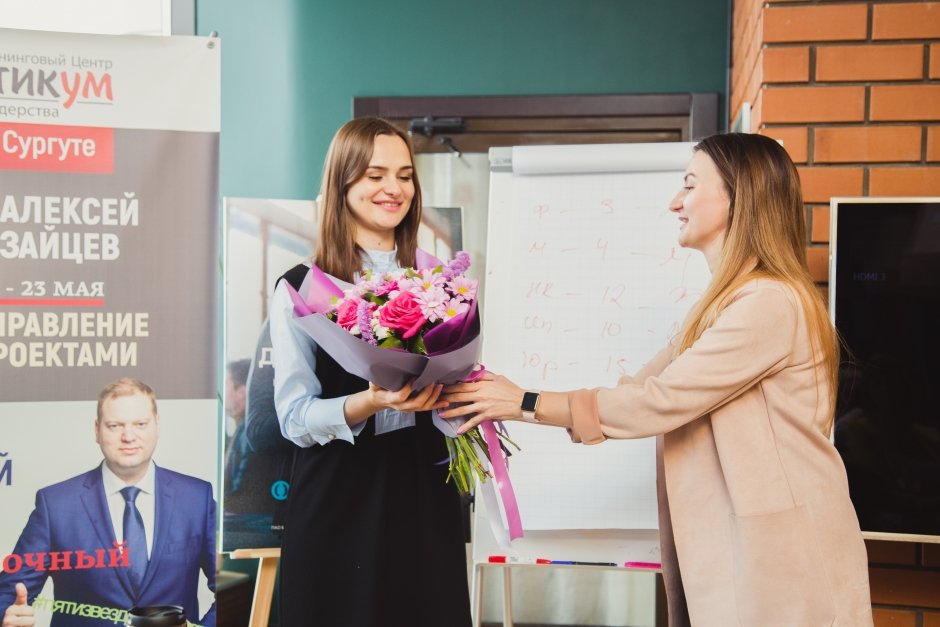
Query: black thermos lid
156	616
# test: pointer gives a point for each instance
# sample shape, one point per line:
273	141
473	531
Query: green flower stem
465	465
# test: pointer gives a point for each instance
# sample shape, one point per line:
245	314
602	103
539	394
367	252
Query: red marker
513	559
643	565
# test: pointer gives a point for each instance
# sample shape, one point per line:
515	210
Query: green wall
290	68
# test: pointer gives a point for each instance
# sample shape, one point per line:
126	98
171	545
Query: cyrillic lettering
110	246
83	560
48	245
129	209
6	470
36	561
141	324
12	563
266	358
8	212
69	327
128	353
10	248
70	89
60	560
85	355
118	555
97	87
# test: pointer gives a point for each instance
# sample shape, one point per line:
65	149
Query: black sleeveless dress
373	536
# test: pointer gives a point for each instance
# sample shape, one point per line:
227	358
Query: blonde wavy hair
337	252
125	386
766	237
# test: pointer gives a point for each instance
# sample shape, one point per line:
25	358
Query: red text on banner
49	148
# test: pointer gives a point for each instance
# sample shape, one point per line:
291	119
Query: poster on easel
262	239
109	299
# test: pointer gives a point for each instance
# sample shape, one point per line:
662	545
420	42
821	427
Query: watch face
530	401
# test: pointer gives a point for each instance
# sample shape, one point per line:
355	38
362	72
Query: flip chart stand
584	282
617	546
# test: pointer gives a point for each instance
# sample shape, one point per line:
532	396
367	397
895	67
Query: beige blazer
756	525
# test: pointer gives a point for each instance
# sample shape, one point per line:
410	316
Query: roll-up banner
109	289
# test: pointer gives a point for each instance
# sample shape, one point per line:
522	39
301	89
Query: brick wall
853	91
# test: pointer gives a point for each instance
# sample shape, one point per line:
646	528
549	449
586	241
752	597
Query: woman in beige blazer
756	525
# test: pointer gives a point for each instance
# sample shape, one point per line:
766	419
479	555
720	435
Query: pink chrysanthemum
432	303
454	307
429	280
463	287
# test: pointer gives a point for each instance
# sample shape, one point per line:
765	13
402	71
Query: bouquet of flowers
427	316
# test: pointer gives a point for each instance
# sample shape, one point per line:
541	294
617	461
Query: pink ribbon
500	473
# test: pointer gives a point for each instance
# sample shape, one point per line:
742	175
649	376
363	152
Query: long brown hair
337	252
766	237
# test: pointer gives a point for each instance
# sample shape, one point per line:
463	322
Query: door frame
694	115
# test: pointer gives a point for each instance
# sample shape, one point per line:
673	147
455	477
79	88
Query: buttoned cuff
326	421
585	421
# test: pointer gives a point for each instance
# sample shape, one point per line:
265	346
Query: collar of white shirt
114	484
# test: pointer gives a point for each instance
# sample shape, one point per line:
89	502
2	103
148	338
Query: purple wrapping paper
391	368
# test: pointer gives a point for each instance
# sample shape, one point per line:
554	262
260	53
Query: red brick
905	181
893	586
910	20
869	63
860	144
794	140
814	104
931	555
894	618
819	233
821	184
786	65
889	552
844	22
933	145
934	71
931	619
905	102
817	258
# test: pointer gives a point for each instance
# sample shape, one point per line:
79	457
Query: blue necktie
135	538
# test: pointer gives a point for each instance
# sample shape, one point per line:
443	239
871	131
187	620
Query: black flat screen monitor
884	296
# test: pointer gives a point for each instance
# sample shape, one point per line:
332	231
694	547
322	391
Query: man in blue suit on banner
127	533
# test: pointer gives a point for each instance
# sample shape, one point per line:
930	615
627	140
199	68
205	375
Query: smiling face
380	200
702	206
127	433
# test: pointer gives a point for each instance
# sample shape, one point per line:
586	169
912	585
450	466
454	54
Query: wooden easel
264	584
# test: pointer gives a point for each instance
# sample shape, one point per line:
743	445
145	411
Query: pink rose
385	288
347	314
403	313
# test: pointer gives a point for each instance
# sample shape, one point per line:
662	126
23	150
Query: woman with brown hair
373	536
756	524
